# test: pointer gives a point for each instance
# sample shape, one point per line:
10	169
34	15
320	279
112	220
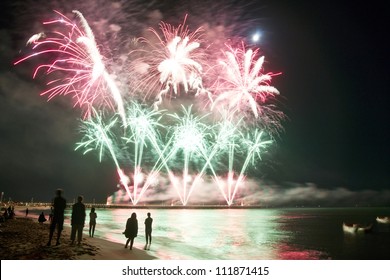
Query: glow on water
204	233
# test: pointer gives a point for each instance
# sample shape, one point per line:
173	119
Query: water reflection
245	233
288	252
200	234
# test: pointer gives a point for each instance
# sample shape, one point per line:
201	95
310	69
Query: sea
252	234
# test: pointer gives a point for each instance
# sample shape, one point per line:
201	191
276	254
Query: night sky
334	60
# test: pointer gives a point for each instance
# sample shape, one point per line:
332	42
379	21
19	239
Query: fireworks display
151	125
172	61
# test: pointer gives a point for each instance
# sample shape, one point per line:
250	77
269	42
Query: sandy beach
23	238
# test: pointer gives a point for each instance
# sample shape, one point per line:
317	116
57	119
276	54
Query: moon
256	37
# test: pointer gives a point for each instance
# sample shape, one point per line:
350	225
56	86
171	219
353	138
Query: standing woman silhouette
92	222
131	230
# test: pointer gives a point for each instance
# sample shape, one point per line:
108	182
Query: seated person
41	218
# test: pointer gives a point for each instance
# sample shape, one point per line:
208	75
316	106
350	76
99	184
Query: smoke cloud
264	194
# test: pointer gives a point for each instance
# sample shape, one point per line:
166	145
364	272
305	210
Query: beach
23	238
208	234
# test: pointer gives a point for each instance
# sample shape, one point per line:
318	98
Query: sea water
245	234
238	234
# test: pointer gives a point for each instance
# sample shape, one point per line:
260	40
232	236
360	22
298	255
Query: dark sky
334	91
334	63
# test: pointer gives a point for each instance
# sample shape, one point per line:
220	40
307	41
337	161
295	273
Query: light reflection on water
251	233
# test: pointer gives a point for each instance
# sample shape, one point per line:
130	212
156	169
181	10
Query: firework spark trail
164	157
226	132
244	90
81	62
228	139
227	142
143	129
175	60
98	65
75	62
98	136
254	144
225	139
162	160
190	138
143	126
242	85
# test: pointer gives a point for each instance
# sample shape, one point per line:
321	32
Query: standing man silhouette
148	232
78	220
59	205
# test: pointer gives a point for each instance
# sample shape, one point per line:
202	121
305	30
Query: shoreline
23	238
144	206
88	205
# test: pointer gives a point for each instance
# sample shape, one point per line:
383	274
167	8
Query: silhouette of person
11	213
148	231
131	230
5	215
92	222
42	218
77	220
51	214
59	205
26	212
